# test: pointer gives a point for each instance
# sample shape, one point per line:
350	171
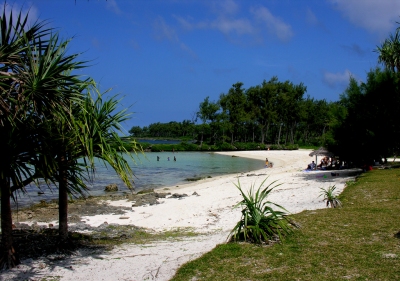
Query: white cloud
165	32
338	79
311	18
274	24
226	7
113	6
375	16
238	26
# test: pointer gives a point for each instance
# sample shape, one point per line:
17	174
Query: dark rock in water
111	187
195	194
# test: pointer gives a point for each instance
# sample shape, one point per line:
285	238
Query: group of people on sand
268	164
325	163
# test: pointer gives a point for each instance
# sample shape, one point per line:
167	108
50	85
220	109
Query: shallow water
150	173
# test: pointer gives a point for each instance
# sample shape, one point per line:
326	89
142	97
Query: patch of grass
139	236
359	241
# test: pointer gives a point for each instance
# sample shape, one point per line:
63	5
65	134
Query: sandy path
210	214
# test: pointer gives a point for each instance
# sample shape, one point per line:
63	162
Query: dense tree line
367	127
273	112
361	127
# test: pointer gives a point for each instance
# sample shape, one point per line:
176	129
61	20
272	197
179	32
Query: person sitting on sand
324	163
311	166
266	162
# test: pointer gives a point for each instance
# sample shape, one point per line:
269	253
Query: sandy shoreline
210	213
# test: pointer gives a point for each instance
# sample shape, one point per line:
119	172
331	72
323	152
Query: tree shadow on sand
40	248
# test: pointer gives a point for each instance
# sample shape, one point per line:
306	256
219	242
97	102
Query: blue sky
164	57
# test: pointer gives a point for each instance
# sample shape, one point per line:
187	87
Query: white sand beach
209	213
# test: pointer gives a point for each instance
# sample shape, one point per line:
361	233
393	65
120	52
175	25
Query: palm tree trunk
63	202
9	257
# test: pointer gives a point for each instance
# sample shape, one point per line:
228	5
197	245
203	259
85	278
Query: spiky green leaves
262	220
330	197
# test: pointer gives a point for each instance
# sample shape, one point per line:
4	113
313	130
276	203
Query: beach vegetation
220	146
274	112
36	89
94	135
48	121
369	129
330	197
262	221
359	241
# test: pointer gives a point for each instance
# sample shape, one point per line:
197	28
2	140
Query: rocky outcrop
111	187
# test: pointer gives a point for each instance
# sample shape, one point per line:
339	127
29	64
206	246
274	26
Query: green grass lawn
360	241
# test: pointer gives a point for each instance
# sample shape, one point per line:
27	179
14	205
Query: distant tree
389	52
136	131
262	101
233	104
208	113
187	128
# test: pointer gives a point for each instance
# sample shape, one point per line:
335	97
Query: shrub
330	198
249	146
260	223
226	147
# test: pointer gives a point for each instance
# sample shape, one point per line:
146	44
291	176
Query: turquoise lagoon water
150	173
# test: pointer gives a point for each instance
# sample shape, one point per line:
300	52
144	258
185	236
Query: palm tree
34	88
94	135
48	121
389	52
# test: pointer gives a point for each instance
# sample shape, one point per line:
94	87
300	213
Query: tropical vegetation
330	197
361	127
359	241
262	221
48	121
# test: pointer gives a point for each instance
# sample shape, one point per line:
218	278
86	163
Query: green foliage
249	146
283	147
260	222
357	242
370	128
330	197
272	112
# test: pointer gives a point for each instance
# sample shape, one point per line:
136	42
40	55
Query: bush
330	198
260	223
226	147
249	146
283	147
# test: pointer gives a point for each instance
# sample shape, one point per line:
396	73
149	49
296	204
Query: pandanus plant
262	220
330	197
